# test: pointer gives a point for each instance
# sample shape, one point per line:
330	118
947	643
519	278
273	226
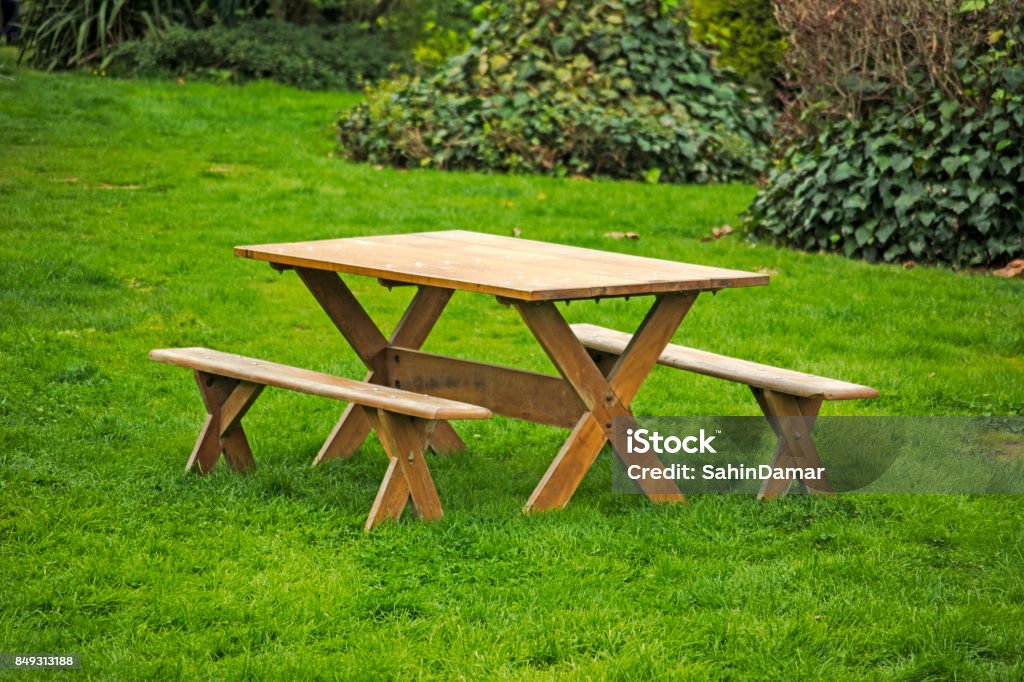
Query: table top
514	268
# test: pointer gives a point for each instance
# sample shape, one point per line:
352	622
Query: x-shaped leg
227	401
405	441
792	420
604	397
370	345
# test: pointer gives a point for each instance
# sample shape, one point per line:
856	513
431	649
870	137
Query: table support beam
511	392
352	320
605	397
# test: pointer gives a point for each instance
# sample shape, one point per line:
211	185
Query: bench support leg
369	343
405	441
605	397
227	401
796	446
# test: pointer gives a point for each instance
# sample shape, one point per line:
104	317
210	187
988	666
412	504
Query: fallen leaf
378	167
622	235
181	81
718	233
516	232
581	178
1014	268
909	265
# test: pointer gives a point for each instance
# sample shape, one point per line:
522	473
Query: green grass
119	205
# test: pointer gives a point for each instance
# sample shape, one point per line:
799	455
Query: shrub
900	147
62	34
743	34
305	56
607	87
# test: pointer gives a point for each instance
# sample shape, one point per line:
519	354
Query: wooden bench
403	421
779	393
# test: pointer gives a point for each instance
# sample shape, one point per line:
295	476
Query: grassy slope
119	205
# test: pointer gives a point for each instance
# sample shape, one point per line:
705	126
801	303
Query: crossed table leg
604	397
362	334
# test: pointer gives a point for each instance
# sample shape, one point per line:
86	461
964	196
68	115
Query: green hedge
603	88
313	57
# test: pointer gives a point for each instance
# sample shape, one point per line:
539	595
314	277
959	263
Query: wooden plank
405	440
539	264
641	354
793	423
237	404
318	383
513	268
345	312
411	331
516	393
206	451
392	496
640	268
731	369
604	398
220	434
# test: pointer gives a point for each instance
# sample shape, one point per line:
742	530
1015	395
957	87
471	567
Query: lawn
120	202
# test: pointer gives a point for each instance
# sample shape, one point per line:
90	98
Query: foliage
72	33
604	88
311	57
921	161
743	34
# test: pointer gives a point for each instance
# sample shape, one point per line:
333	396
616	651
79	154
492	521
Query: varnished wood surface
317	383
514	268
732	369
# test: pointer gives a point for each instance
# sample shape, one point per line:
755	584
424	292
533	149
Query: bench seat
403	421
780	393
731	369
317	383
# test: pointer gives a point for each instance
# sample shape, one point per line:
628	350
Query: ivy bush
312	57
608	87
744	36
928	166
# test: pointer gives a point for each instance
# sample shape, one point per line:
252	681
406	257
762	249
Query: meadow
120	202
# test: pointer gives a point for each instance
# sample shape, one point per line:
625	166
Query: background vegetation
121	202
309	43
605	88
904	139
744	36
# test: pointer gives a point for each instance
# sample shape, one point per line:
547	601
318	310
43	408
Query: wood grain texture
503	266
226	400
317	383
731	369
510	392
604	397
411	331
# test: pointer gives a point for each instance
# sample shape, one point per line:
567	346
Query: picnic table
530	276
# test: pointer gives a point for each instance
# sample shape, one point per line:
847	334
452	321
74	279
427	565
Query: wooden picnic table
530	276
